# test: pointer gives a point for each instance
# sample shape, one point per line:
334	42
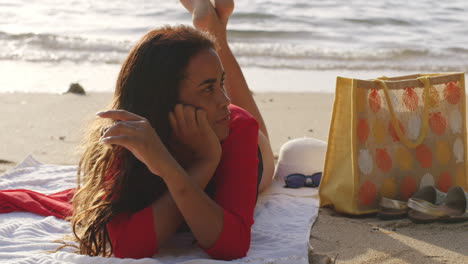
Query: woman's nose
223	98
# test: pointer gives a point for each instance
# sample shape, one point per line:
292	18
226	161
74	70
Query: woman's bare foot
206	17
223	8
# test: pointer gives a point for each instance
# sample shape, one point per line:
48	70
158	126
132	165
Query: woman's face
203	88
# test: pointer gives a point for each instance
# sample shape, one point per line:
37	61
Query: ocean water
87	40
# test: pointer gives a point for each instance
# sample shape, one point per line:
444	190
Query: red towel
57	204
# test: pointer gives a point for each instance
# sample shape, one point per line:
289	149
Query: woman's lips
225	120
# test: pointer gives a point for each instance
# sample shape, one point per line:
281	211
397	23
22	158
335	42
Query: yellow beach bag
391	136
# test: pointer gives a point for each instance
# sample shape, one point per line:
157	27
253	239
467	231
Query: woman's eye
208	89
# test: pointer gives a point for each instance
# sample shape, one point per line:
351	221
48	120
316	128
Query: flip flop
457	206
426	196
392	209
452	210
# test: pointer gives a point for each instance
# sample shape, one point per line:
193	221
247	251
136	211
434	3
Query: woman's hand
191	128
136	134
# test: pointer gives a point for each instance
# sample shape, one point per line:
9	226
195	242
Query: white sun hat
301	155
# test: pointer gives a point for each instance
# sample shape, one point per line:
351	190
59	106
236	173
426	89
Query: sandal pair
428	205
394	209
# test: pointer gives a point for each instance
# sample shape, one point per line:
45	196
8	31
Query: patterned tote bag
391	136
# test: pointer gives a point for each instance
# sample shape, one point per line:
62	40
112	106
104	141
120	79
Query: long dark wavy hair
110	179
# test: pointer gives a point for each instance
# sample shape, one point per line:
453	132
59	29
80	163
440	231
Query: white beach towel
283	219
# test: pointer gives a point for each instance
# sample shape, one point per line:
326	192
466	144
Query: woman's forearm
168	216
203	215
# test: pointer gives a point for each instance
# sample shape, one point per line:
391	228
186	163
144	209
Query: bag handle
422	133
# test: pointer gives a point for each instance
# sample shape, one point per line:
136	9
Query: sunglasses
297	180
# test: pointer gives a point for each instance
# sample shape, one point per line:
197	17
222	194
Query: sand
50	127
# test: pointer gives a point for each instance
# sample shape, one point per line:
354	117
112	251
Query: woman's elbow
233	251
241	251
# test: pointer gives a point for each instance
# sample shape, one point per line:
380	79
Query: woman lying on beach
176	151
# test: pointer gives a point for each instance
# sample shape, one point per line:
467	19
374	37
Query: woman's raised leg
212	16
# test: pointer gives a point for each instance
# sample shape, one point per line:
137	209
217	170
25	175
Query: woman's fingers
185	116
201	117
126	122
190	118
123	141
173	121
179	115
120	115
122	128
